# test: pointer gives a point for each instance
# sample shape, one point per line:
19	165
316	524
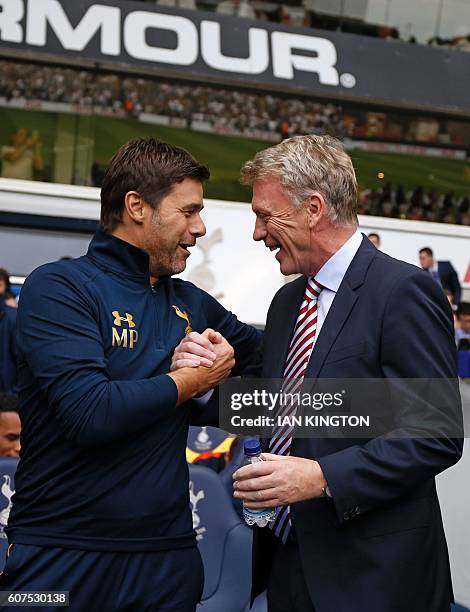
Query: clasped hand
200	362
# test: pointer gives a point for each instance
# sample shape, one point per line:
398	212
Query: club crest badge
183	315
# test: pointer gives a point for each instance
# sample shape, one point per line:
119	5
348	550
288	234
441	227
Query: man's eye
12	437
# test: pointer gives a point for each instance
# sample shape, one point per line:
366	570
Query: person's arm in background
37	149
60	341
12	154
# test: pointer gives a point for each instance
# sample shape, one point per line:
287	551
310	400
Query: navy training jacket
103	463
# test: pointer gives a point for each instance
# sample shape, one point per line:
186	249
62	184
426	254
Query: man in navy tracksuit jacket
101	506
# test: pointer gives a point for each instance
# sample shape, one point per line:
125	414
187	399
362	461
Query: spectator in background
462	331
8	356
184	4
10	426
443	272
97	174
400	196
375	239
22	156
237	8
5	289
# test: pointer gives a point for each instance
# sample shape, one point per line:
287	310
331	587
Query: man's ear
316	209
135	206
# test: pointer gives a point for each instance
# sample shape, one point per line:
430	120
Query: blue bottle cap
252	448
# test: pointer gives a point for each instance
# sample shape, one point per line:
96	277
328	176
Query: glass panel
455	21
63	125
416	18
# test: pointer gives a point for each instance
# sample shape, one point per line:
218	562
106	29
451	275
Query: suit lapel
341	307
337	316
282	325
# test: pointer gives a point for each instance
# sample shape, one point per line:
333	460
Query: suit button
346	516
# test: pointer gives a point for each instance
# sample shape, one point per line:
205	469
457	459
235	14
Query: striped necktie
300	349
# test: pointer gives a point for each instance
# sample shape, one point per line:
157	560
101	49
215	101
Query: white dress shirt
331	275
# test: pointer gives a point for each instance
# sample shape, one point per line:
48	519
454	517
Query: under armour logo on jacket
118	319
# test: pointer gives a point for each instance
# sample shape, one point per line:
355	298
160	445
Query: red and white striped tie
297	360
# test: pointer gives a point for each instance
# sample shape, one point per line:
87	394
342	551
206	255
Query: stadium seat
464	364
206	439
224	542
7	488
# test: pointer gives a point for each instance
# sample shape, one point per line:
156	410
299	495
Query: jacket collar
118	256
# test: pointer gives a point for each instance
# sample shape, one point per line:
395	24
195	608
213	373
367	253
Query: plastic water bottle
262	516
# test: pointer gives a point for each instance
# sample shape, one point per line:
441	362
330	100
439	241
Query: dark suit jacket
449	279
380	545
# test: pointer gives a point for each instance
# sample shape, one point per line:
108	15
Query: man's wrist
187	383
319	479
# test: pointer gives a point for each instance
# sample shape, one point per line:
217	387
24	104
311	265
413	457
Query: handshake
200	362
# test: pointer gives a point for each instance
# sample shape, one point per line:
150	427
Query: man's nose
198	229
259	232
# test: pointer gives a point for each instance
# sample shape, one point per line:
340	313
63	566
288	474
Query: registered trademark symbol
347	80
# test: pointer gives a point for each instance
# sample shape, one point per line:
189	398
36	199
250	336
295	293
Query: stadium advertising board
207	46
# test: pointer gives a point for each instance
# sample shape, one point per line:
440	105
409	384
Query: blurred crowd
225	111
418	204
222	108
256	115
58	85
235	109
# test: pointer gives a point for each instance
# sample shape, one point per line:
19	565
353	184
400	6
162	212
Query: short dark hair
9	402
427	250
151	168
463	309
4	276
373	234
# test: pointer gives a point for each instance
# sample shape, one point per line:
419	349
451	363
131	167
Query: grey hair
305	164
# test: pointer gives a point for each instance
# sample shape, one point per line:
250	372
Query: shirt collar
332	272
119	256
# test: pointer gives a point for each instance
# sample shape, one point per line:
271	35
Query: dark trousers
100	581
287	589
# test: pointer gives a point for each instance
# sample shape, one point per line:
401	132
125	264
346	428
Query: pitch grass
226	154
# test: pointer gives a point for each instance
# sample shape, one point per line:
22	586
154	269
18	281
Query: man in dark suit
443	272
358	527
